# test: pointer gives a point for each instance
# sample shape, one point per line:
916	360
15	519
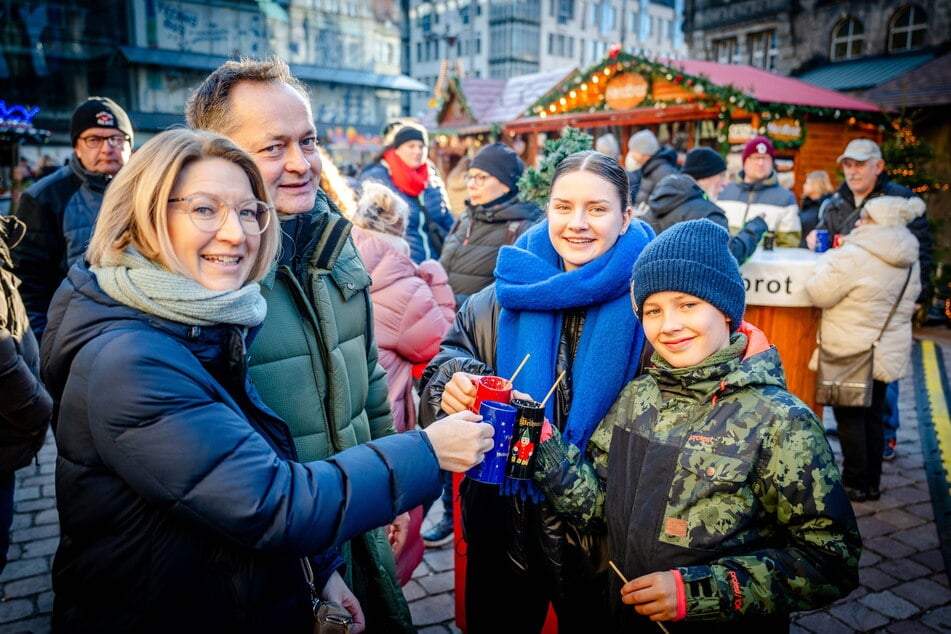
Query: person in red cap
757	192
60	209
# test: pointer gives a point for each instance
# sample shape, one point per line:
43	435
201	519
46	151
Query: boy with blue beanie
720	495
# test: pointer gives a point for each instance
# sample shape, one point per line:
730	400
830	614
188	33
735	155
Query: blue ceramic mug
492	468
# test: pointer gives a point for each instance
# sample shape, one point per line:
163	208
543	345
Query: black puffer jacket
839	213
662	164
470	250
473	337
25	406
678	198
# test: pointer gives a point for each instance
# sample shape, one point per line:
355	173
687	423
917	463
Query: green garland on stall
708	95
535	184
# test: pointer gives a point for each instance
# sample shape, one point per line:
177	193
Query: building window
727	50
848	39
763	50
607	18
908	29
565	11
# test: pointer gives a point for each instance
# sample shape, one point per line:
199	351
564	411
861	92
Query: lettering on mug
771	286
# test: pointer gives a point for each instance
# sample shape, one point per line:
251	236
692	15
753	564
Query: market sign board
625	91
667	90
787	129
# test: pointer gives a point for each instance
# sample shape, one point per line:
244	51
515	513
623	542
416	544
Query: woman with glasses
560	295
494	216
181	504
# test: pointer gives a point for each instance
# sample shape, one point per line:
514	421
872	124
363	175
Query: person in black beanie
60	209
494	216
700	459
690	195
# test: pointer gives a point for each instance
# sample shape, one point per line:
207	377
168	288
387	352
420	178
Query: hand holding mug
811	240
459	394
460	440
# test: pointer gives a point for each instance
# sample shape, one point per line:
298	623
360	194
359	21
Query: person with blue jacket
182	506
404	168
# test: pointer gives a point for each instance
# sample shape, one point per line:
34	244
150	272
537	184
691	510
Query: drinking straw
624	580
557	381
519	368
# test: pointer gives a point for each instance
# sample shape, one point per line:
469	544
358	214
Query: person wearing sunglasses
182	504
60	209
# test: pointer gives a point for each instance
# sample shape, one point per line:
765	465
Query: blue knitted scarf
533	290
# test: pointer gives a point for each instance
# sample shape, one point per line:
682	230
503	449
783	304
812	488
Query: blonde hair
380	209
134	210
335	185
820	180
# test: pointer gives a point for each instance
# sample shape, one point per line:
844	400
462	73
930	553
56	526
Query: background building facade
501	39
149	54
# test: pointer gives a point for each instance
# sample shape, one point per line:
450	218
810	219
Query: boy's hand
653	595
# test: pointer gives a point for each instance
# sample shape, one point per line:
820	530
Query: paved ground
905	586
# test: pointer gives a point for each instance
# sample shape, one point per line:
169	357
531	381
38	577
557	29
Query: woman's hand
459	394
460	440
398	532
653	595
336	590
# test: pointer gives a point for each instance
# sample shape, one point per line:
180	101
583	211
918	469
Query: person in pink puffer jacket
413	307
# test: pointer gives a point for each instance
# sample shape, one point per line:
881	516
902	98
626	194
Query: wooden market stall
689	103
467	112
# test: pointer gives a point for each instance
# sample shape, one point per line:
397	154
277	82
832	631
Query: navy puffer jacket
181	508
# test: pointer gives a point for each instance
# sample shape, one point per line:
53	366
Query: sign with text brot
778	277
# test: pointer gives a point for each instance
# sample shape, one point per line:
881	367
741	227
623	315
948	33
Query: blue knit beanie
691	257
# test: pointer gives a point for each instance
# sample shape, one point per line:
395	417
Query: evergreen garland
535	184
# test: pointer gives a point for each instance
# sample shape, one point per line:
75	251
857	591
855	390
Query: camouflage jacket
717	471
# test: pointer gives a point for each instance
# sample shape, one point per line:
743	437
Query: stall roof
863	73
928	85
490	101
769	87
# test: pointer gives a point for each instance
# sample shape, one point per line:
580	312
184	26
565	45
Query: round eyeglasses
94	142
478	178
209	213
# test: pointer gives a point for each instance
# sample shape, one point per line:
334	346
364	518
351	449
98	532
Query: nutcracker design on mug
525	437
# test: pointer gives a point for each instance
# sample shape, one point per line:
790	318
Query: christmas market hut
687	103
467	112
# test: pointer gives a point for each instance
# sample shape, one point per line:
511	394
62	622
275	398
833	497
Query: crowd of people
260	371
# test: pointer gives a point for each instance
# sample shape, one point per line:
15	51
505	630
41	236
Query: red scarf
407	180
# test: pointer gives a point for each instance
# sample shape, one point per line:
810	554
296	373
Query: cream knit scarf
148	286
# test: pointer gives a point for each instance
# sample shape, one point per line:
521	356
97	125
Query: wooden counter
777	304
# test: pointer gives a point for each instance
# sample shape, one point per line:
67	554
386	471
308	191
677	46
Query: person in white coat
856	285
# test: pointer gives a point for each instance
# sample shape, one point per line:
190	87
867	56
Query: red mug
491	388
